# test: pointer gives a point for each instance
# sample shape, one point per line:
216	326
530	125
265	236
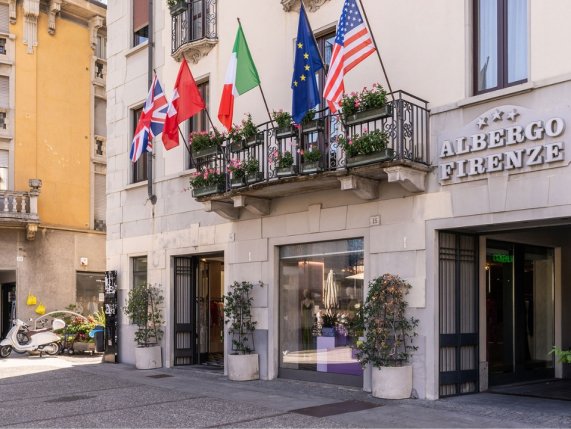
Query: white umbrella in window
330	292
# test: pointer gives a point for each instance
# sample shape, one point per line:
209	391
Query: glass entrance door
519	312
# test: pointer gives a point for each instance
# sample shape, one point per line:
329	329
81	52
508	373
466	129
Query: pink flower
350	142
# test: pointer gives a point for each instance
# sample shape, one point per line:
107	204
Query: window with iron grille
500	44
2	46
139	167
140	22
3	120
101	47
196	22
99	202
199	122
4	164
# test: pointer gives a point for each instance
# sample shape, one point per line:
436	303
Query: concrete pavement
82	392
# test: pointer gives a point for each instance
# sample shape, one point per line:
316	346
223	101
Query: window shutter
99	204
4	159
100	126
140	14
4	19
4	92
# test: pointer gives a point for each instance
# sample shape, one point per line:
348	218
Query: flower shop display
366	148
207	181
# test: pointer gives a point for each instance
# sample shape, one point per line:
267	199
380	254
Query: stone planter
284	133
243	367
209	151
392	382
255	140
254	177
179	7
207	190
371	158
369	115
313	126
310	167
237	146
148	357
237	182
286	171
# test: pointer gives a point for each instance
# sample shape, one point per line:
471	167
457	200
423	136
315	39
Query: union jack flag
352	45
151	121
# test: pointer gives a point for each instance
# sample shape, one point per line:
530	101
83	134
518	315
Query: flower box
286	171
179	7
286	132
237	182
237	146
255	140
207	190
209	151
313	126
254	177
310	167
371	158
370	115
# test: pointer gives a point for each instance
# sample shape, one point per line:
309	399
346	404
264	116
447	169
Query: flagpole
325	67
260	84
151	195
376	48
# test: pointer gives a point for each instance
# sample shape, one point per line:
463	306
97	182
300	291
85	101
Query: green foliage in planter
312	155
309	116
564	356
356	322
252	166
200	140
365	100
238	312
143	308
364	144
389	333
248	128
283	119
207	177
237	168
285	160
329	320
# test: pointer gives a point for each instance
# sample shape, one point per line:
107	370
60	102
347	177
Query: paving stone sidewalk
82	392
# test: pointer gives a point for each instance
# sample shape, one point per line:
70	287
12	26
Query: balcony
20	208
194	31
404	123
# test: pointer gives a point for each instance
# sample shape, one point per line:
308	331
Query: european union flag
307	63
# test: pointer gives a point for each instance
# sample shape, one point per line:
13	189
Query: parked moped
43	340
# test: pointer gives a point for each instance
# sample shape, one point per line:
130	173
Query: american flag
151	121
352	45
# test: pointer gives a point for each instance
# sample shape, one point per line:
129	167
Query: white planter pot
148	357
243	367
392	382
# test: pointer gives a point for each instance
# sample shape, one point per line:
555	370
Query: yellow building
52	155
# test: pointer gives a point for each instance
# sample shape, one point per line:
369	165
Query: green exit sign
502	258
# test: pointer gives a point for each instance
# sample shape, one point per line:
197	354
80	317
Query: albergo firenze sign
505	140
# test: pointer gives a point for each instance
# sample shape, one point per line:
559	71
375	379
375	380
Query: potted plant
237	169
207	181
143	308
284	120
243	363
328	324
311	159
253	173
366	148
366	106
564	357
310	124
205	144
236	139
387	346
284	164
177	6
250	133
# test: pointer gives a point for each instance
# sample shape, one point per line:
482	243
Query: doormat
549	389
335	408
159	376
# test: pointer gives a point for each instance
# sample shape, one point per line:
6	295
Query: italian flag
241	77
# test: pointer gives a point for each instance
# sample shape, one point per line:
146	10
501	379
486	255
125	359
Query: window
89	293
2	46
4	92
4	19
196	22
3	121
199	122
100	48
139	167
4	163
500	44
99	202
325	46
140	22
139	273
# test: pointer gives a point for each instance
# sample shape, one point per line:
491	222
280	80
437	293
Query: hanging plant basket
383	155
207	190
370	115
286	171
203	153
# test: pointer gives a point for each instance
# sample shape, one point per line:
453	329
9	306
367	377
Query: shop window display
321	291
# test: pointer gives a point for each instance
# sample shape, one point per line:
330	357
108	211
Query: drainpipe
150	47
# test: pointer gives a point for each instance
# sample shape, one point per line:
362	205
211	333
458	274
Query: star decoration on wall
482	122
497	115
512	115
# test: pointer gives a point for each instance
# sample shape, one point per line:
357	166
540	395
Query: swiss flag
186	102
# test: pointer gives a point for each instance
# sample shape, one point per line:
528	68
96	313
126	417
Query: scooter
43	340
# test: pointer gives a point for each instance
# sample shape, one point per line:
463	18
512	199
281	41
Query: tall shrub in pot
243	363
388	343
143	307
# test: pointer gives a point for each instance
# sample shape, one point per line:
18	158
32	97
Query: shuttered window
4	92
4	19
140	21
99	203
4	160
100	126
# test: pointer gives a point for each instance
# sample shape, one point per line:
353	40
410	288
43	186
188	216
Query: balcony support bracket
31	229
196	50
225	210
257	206
365	189
409	178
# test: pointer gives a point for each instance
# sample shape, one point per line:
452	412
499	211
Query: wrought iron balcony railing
405	123
194	28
